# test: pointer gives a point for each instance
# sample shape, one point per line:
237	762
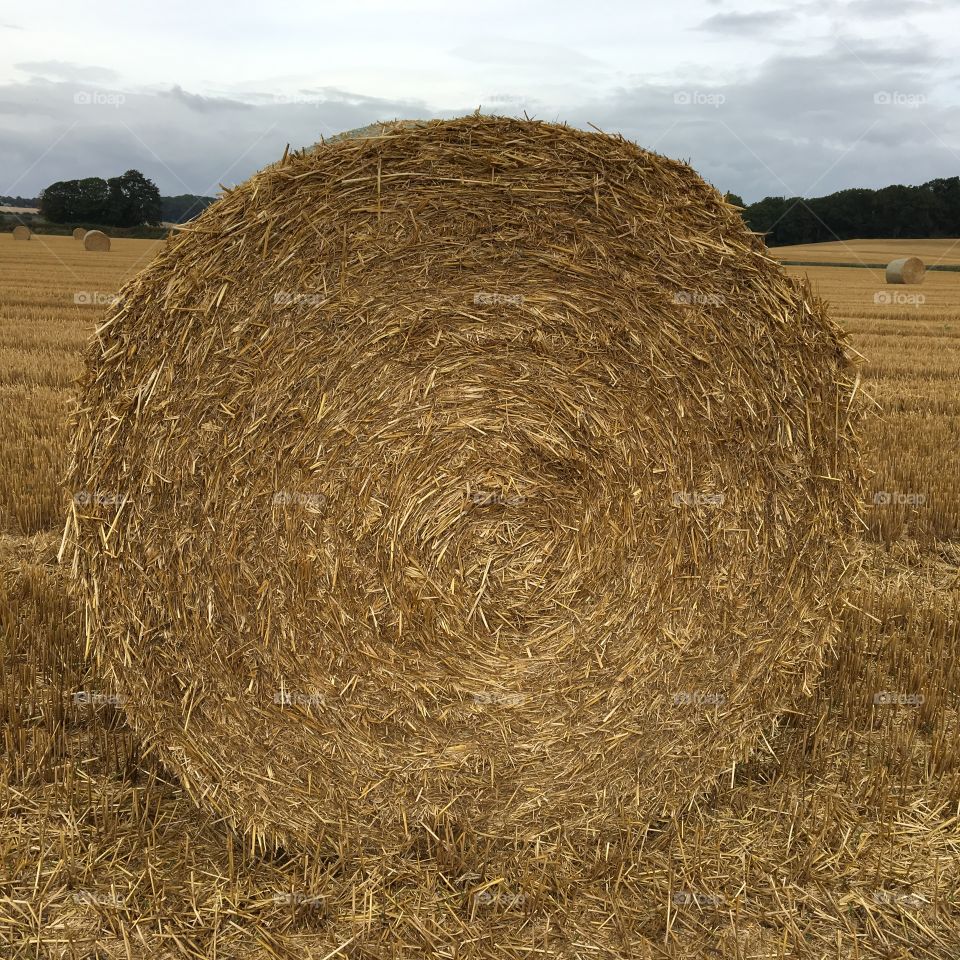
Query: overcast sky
763	98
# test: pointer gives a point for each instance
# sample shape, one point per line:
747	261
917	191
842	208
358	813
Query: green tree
90	200
58	200
184	207
132	200
929	210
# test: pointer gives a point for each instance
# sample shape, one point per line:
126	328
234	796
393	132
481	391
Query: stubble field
840	839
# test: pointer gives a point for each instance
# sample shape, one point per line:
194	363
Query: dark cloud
200	104
885	9
746	23
184	142
802	125
62	70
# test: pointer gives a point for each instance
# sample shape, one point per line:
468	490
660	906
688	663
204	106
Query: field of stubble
840	839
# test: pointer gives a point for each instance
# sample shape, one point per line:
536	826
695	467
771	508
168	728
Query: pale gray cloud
185	142
760	96
63	70
747	23
528	54
202	104
888	9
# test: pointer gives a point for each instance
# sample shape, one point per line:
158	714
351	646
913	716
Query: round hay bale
21	232
96	240
79	233
906	270
482	480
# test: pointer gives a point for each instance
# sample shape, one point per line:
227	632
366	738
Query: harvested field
932	252
839	839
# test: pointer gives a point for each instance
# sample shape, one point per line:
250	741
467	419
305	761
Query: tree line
18	201
125	201
177	209
929	210
184	207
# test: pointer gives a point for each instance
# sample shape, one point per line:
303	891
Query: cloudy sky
763	98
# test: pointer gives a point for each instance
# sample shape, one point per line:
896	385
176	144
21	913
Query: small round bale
96	240
79	233
906	270
476	484
21	232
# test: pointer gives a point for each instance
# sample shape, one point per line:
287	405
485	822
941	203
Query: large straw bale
21	232
479	485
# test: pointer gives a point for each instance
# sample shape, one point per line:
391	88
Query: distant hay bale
906	270
483	481
96	240
21	232
79	233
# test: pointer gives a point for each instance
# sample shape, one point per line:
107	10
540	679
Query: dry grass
842	840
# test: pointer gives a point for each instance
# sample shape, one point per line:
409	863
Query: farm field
841	840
